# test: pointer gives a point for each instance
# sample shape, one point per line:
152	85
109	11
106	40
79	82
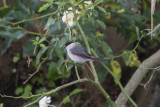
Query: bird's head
68	43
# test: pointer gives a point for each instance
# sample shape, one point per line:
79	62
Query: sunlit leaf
131	59
66	100
16	58
42	39
44	7
1	104
116	68
75	91
18	90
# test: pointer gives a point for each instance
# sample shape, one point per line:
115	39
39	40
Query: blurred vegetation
40	23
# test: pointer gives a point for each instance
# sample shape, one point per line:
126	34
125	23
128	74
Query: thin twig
35	71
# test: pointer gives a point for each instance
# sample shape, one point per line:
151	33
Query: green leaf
63	41
102	24
76	91
28	47
107	104
123	106
27	90
1	104
58	23
4	11
16	58
40	53
44	7
6	45
22	6
50	22
61	3
66	100
11	34
42	39
37	38
101	9
98	1
33	4
18	90
48	1
42	45
52	71
107	50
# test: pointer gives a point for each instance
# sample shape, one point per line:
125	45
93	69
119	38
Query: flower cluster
68	15
44	102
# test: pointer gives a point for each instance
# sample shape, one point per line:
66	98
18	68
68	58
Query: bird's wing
78	50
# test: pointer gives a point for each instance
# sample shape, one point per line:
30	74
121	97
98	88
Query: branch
137	77
57	89
119	84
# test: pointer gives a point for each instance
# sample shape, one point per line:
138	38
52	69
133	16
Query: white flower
68	17
44	102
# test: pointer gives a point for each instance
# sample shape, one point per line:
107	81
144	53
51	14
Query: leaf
1	104
98	1
107	104
131	59
50	22
63	41
116	68
27	90
75	91
28	48
40	53
6	45
18	90
58	23
101	9
52	71
107	50
37	38
22	6
4	11
16	58
44	7
42	39
102	24
42	45
66	100
11	34
34	5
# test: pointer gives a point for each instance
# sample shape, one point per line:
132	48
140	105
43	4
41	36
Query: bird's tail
96	59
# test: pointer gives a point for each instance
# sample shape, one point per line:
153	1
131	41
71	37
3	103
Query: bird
78	54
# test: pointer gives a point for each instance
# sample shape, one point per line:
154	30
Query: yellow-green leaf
131	59
116	68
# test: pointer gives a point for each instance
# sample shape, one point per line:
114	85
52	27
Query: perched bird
78	54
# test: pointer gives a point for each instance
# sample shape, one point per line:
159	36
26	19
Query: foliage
52	33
